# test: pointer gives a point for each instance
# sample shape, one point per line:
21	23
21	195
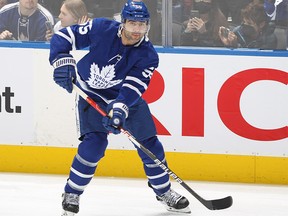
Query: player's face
136	26
28	4
66	17
134	31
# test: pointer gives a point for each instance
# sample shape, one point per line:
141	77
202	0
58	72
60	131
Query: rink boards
220	114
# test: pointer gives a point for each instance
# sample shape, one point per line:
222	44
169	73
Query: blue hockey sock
158	179
84	165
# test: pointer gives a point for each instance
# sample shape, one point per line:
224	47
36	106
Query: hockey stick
215	204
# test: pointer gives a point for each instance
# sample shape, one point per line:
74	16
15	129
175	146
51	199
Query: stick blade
221	203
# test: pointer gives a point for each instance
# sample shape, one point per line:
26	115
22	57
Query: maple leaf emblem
102	79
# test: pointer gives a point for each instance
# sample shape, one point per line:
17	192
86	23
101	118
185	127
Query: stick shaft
210	204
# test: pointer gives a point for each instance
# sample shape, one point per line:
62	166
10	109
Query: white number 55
85	28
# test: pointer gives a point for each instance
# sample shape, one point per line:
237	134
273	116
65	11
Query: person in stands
71	12
256	30
24	20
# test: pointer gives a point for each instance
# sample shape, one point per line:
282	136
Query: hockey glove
64	71
117	114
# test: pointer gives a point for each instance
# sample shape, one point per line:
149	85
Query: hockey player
115	73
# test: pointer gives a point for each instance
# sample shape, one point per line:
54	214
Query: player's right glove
64	71
117	114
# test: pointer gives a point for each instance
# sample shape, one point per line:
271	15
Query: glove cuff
64	61
123	107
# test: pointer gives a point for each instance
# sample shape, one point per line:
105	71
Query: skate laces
171	197
72	199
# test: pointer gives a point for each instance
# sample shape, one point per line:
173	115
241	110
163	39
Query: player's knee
153	145
93	146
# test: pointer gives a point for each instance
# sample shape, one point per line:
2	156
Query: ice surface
40	195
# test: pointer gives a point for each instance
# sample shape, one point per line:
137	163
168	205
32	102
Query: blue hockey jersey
110	70
31	28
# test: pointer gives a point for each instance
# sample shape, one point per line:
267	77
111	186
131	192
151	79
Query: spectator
204	30
24	20
181	11
277	10
256	31
2	3
71	12
232	8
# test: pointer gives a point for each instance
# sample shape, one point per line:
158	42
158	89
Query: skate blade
185	210
66	213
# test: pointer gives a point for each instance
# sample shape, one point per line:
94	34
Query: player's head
136	11
135	20
135	17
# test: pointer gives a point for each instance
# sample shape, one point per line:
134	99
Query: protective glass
136	26
208	1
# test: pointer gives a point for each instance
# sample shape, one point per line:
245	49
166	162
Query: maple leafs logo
102	79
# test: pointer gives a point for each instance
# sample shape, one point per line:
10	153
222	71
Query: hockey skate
70	204
174	202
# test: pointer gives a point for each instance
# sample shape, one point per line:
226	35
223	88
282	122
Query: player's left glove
64	71
117	114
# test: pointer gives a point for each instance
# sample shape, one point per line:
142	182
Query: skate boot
174	202
70	204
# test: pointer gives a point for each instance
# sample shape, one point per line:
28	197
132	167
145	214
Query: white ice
40	195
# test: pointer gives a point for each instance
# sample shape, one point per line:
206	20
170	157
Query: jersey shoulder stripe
48	16
9	7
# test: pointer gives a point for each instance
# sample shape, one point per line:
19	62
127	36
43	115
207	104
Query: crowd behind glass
260	24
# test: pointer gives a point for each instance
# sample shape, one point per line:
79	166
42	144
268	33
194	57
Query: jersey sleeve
138	79
73	37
